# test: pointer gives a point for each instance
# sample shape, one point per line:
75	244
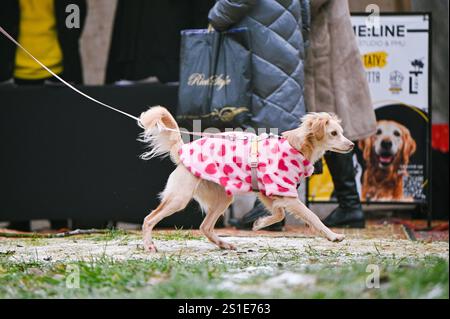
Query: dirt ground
130	246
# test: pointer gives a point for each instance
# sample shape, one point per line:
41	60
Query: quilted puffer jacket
277	30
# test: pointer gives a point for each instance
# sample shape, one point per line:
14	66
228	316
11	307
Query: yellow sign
321	186
375	60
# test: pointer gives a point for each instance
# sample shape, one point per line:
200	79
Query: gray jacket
277	29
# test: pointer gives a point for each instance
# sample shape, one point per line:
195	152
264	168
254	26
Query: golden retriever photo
386	155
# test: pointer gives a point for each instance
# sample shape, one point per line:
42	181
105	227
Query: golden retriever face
326	132
391	145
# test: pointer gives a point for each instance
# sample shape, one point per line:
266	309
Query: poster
391	165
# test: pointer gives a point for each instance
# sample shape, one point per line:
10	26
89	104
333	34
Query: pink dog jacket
226	162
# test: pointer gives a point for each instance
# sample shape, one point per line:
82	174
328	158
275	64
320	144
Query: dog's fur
318	133
386	155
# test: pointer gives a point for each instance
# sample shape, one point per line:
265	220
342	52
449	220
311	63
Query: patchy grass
173	277
111	234
177	234
126	236
114	265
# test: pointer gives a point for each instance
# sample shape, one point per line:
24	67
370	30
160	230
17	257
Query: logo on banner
377	60
396	81
417	65
199	79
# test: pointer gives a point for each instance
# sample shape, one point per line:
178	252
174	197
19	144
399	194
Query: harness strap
254	163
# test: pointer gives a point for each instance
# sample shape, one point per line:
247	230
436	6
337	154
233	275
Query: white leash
6	34
254	140
230	135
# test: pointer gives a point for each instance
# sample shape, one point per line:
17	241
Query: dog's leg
207	226
214	201
177	194
276	216
299	209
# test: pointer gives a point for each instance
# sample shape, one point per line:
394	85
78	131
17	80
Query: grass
246	273
174	277
177	234
125	236
106	278
111	234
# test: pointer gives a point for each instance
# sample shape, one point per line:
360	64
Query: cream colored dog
318	133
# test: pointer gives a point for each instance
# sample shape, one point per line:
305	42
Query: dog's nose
351	145
386	144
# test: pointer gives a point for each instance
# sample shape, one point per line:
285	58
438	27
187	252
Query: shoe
258	211
345	218
349	213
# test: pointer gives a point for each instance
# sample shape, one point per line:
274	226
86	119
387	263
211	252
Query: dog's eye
378	132
334	133
397	133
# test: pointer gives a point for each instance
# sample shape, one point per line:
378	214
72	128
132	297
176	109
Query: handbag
215	78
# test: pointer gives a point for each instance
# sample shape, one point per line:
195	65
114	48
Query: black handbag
215	78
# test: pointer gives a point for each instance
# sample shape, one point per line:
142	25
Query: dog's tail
161	142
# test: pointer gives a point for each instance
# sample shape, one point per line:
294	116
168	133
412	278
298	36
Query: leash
7	35
231	136
254	140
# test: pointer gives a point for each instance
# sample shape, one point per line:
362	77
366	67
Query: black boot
349	212
246	222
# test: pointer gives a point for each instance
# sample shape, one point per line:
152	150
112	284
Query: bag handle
216	48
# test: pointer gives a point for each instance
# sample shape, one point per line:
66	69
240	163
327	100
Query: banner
391	166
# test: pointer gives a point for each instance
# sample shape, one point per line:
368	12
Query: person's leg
258	211
349	212
242	204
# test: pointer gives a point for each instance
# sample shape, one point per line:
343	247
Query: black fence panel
63	156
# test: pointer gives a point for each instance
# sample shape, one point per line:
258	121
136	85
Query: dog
198	164
386	155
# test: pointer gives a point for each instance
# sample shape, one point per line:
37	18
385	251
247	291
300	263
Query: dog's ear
318	127
335	118
409	145
365	146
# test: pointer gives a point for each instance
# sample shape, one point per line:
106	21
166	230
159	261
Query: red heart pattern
226	162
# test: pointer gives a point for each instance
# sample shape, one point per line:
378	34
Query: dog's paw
225	245
150	247
336	237
258	224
